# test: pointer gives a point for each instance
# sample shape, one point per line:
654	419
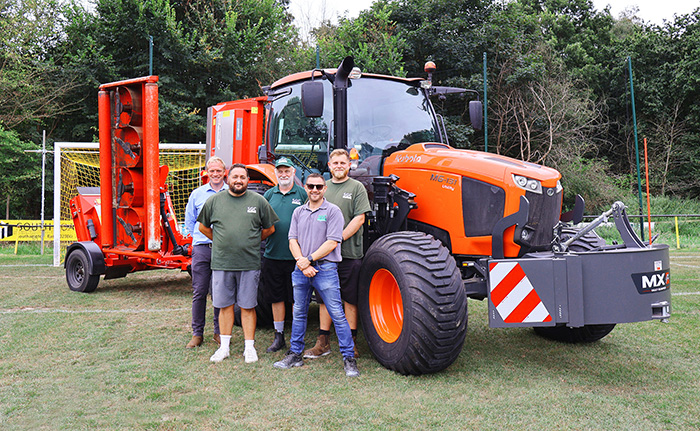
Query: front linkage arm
622	223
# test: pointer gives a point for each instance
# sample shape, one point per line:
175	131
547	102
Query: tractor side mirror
312	98
476	114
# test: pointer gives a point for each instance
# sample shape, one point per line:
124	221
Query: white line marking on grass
685	266
126	310
36	264
684	293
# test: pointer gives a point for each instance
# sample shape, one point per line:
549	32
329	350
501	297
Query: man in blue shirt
201	251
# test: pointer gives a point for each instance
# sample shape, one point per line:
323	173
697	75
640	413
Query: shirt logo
252	210
296	201
322	217
347	195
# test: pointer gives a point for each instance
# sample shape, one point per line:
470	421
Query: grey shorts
235	287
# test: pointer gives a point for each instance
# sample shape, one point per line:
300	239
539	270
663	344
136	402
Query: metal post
486	111
150	55
318	57
43	187
636	150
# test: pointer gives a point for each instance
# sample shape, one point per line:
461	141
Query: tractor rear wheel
412	304
78	272
587	333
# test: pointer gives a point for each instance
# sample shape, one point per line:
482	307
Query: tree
205	52
31	85
370	38
20	181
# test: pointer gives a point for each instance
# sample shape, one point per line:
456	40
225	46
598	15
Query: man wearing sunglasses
314	234
351	197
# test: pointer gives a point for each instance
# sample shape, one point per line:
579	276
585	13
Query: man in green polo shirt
278	262
236	222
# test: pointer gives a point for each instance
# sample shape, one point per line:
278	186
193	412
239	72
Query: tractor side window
302	139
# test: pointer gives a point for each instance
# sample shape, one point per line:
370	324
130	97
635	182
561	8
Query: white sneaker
250	355
219	355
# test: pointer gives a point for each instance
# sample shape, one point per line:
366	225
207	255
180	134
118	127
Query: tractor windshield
382	114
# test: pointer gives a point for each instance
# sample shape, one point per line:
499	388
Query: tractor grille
543	215
482	206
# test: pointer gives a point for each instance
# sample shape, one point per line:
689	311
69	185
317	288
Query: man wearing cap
201	251
278	262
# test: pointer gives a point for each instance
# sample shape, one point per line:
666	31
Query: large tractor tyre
584	334
412	304
590	241
587	333
78	272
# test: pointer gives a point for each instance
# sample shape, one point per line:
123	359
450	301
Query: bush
589	179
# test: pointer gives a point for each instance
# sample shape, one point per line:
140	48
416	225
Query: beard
340	174
239	188
286	183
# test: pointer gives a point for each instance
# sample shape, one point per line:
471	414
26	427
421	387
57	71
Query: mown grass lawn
115	359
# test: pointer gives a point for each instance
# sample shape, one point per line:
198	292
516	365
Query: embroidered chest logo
252	210
296	201
322	217
347	195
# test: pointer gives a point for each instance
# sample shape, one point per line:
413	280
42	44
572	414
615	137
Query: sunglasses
315	186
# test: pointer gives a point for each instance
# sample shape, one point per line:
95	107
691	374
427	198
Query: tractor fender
94	254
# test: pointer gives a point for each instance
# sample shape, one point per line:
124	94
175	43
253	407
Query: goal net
78	165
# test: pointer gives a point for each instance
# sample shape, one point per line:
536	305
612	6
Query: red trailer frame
128	223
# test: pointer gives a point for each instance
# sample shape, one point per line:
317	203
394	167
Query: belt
203	245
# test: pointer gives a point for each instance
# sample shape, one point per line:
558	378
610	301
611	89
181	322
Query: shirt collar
324	205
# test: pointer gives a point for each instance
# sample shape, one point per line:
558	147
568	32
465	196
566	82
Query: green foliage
204	53
20	177
370	38
32	86
590	179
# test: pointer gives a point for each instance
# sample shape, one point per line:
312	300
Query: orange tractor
446	224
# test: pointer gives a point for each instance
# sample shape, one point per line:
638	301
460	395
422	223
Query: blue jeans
327	285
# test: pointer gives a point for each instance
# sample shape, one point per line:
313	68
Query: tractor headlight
528	184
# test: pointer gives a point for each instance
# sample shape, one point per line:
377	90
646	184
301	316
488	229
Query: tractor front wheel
412	303
78	272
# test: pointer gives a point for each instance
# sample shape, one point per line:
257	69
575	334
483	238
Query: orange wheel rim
386	305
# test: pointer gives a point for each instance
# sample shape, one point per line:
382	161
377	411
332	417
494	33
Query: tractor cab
311	113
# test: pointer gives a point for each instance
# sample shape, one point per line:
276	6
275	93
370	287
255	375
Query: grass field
115	359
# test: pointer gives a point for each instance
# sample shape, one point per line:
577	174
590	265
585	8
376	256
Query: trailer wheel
78	272
412	304
584	334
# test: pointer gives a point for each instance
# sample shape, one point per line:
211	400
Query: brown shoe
354	343
196	341
217	339
322	348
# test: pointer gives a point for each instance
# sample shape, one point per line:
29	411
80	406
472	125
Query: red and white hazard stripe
513	295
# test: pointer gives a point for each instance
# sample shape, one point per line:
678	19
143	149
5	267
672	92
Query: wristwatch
310	259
